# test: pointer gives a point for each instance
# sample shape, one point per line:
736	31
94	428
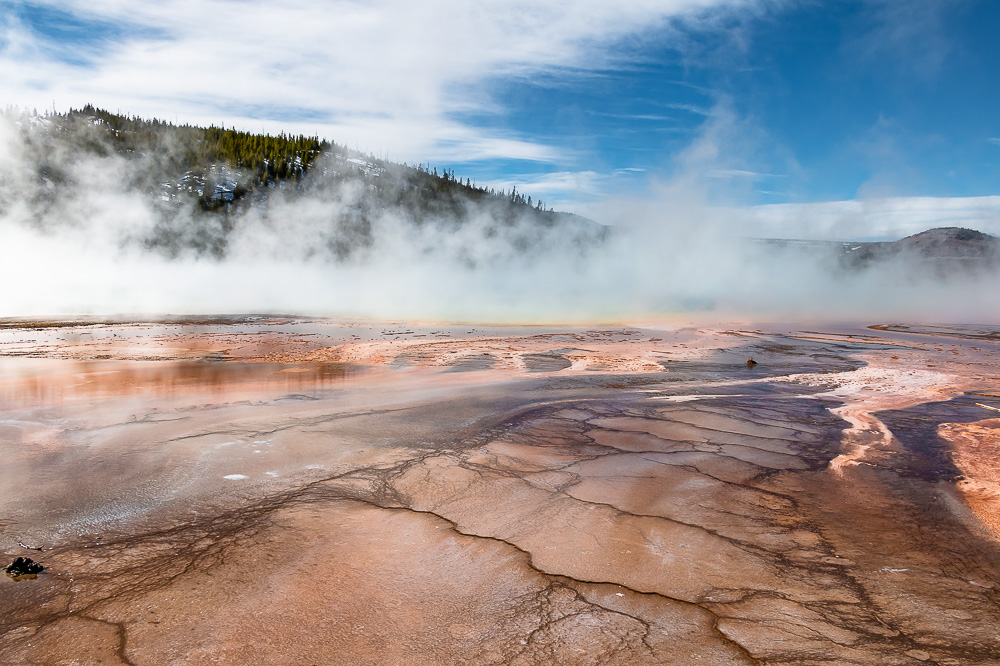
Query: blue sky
825	101
752	103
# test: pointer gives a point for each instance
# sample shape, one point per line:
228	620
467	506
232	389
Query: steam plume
85	230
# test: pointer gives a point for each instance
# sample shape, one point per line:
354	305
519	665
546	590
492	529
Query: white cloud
915	42
741	173
385	76
586	183
891	217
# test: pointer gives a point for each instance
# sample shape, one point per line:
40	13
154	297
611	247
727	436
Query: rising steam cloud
85	231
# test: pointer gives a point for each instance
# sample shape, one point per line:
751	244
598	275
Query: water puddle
32	382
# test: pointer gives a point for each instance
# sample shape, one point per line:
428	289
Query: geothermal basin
264	490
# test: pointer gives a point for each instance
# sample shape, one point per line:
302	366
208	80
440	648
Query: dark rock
23	566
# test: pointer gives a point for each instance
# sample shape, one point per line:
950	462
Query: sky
823	118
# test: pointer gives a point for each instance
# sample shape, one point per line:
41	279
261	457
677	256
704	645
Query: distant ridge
944	251
951	242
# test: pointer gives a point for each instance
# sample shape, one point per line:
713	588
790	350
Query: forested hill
204	184
263	158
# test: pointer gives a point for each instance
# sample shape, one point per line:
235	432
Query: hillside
943	251
203	189
115	185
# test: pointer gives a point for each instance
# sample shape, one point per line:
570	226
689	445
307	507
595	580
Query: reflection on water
31	382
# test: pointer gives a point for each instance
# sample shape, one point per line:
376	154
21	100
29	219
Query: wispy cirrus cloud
741	173
560	187
916	42
387	75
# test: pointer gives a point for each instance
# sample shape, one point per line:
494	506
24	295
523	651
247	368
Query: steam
94	236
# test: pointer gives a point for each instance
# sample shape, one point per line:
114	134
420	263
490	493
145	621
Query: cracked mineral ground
300	491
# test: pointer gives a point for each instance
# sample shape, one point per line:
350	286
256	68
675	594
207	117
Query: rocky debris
23	566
